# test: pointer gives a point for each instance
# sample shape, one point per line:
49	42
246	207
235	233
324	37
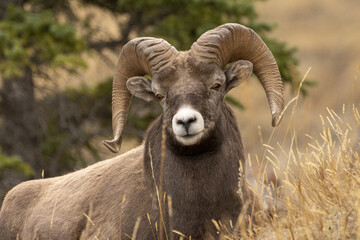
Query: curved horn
138	57
230	42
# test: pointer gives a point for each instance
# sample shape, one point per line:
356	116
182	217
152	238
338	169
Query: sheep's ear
237	73
141	88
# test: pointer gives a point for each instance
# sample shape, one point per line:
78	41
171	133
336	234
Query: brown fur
54	208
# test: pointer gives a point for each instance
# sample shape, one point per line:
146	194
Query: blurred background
57	59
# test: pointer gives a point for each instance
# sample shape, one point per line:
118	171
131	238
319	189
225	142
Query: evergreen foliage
14	163
36	40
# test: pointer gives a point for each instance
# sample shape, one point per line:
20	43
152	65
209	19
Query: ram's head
191	85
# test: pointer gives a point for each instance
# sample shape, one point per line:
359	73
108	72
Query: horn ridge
138	57
231	42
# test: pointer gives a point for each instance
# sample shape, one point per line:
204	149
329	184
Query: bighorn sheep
197	164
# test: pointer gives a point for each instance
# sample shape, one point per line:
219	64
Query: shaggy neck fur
202	185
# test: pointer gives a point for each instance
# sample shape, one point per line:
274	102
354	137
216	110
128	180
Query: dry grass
309	183
319	194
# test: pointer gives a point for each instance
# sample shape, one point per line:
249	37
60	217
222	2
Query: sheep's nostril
180	122
191	120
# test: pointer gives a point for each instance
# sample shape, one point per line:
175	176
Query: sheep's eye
160	97
216	87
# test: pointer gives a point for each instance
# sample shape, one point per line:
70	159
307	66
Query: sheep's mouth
189	139
190	135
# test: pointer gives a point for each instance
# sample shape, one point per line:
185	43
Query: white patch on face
188	126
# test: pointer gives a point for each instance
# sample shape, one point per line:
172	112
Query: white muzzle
188	126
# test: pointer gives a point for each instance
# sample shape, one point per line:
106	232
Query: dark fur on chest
202	181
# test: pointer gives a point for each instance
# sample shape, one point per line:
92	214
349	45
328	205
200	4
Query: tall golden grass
318	196
318	193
